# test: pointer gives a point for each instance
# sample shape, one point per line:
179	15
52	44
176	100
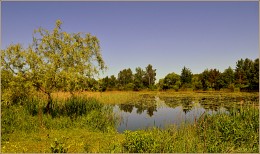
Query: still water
159	114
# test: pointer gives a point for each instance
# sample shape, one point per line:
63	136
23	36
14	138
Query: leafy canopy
55	59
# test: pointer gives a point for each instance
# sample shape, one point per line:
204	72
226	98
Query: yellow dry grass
111	97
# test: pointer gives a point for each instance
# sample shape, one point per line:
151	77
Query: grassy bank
86	124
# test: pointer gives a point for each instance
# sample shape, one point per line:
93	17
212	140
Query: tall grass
236	132
73	112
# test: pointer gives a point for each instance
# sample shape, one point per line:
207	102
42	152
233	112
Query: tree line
245	77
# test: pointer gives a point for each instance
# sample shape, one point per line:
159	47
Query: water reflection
126	107
150	110
156	116
154	111
140	108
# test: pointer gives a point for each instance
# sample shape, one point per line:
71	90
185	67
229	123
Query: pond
157	112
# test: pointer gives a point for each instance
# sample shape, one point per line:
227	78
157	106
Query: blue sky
168	35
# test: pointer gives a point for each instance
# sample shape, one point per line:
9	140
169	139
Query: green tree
186	77
204	78
160	84
125	77
91	84
14	74
247	74
210	79
255	75
113	82
149	78
213	77
55	59
196	82
171	81
240	74
104	83
227	78
139	78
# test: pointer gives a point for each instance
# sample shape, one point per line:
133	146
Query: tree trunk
48	106
149	80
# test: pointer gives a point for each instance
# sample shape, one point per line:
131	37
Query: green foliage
245	77
149	78
139	79
214	76
125	77
91	85
108	83
196	82
130	86
56	60
14	88
186	77
227	78
171	81
204	77
66	57
247	74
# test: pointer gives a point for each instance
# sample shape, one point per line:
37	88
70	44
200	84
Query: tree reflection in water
148	105
126	107
151	109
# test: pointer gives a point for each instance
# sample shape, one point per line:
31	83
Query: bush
129	86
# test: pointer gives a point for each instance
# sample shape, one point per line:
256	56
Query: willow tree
56	59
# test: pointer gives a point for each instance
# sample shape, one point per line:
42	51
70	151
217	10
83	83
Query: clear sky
168	35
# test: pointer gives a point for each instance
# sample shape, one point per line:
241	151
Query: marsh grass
73	112
86	123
